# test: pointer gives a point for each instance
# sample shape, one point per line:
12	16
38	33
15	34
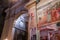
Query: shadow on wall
2	19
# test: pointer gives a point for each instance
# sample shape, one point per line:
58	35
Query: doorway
19	34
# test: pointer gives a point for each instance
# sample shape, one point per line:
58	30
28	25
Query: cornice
30	4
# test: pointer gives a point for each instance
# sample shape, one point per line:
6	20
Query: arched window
20	22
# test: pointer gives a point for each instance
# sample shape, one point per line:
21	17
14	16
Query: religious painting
33	33
32	18
56	13
49	14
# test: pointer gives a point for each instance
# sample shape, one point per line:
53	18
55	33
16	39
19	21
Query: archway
21	27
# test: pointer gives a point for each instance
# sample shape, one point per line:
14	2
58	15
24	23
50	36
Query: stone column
6	26
31	6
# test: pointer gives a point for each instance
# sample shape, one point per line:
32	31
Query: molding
30	4
17	5
50	23
46	4
7	10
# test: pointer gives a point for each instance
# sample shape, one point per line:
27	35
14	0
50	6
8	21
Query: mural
46	16
50	13
33	33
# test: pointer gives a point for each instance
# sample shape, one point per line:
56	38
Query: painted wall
46	13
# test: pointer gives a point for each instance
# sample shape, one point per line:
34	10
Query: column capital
30	4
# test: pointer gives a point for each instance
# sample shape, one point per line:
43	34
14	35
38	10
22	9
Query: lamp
6	39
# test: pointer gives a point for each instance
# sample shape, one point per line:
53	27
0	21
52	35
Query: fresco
50	14
33	33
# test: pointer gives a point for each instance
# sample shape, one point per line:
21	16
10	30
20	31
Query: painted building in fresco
46	15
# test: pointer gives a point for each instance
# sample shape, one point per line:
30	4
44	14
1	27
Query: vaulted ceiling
5	3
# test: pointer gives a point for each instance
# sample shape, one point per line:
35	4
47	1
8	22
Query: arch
21	25
20	22
2	20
